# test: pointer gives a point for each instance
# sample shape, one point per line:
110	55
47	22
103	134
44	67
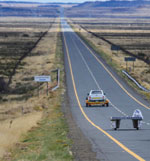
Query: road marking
115	107
84	114
121	86
86	65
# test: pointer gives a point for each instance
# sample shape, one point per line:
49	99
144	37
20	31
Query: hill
112	8
28	9
115	3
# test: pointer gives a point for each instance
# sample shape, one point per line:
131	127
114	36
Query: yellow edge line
84	114
114	77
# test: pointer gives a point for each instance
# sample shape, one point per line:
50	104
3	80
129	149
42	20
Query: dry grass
25	108
10	132
17	37
42	58
48	140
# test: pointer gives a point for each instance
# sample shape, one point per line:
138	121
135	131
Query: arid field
28	47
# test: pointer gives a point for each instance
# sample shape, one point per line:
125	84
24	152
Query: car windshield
96	92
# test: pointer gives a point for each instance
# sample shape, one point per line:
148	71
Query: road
85	71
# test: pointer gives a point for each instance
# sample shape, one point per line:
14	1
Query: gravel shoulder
81	147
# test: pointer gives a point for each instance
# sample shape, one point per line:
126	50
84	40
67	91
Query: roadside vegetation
32	123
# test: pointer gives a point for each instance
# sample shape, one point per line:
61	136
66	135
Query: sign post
47	88
129	59
43	78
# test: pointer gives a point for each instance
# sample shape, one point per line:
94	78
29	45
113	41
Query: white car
96	97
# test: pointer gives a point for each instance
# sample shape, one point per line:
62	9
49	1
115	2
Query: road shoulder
81	147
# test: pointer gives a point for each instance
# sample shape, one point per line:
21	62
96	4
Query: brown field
18	37
131	35
20	101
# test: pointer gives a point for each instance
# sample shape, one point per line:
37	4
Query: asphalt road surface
85	71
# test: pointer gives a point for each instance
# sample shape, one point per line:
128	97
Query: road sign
42	78
129	59
114	47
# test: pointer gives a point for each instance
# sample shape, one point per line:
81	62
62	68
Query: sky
66	1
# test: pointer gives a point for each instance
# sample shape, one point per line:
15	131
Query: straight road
85	71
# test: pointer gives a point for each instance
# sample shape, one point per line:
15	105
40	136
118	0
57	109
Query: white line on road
97	84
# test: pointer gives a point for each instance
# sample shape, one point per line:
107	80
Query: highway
85	70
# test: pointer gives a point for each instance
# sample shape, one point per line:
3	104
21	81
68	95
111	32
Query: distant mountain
25	9
49	5
62	3
112	9
115	3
